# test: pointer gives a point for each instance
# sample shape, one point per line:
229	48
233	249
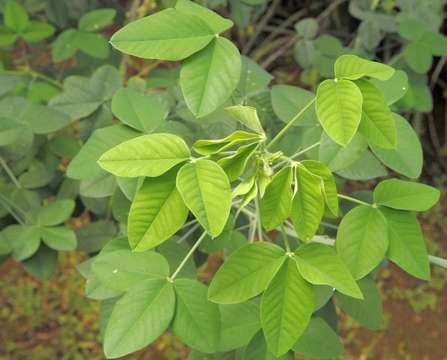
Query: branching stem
188	255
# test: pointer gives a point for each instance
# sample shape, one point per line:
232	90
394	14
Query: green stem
435	260
258	216
188	233
284	130
34	74
188	255
284	238
346	197
9	172
10	210
297	154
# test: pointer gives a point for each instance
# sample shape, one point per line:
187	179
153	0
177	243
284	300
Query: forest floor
53	319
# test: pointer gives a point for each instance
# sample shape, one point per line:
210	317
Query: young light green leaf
369	311
122	269
377	124
239	323
286	308
407	248
276	203
319	341
59	238
15	16
216	22
352	67
247	116
157	212
55	212
148	155
320	265
206	191
362	240
405	195
139	317
308	204
138	110
210	147
209	77
97	19
246	273
197	321
234	165
169	34
329	186
407	157
339	109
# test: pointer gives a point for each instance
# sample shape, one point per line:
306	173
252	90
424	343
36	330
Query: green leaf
139	317
148	155
84	165
405	195
15	16
257	350
37	31
169	34
210	147
377	124
286	308
329	186
367	167
247	116
288	100
308	204
7	36
362	240
157	212
24	240
320	265
246	273
394	88
92	44
276	203
197	321
138	110
209	77
369	311
59	238
55	212
64	47
352	67
97	19
407	247
436	42
418	57
206	191
122	269
43	264
215	22
307	28
239	323
339	109
407	158
234	165
44	119
319	341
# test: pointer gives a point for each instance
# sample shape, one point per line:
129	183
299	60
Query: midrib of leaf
192	317
383	133
342	109
283	311
148	307
361	244
201	198
205	87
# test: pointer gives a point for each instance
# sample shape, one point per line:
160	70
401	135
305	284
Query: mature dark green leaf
42	264
362	239
97	19
246	273
286	308
15	16
59	238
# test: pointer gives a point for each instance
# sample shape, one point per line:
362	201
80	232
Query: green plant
208	159
241	190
